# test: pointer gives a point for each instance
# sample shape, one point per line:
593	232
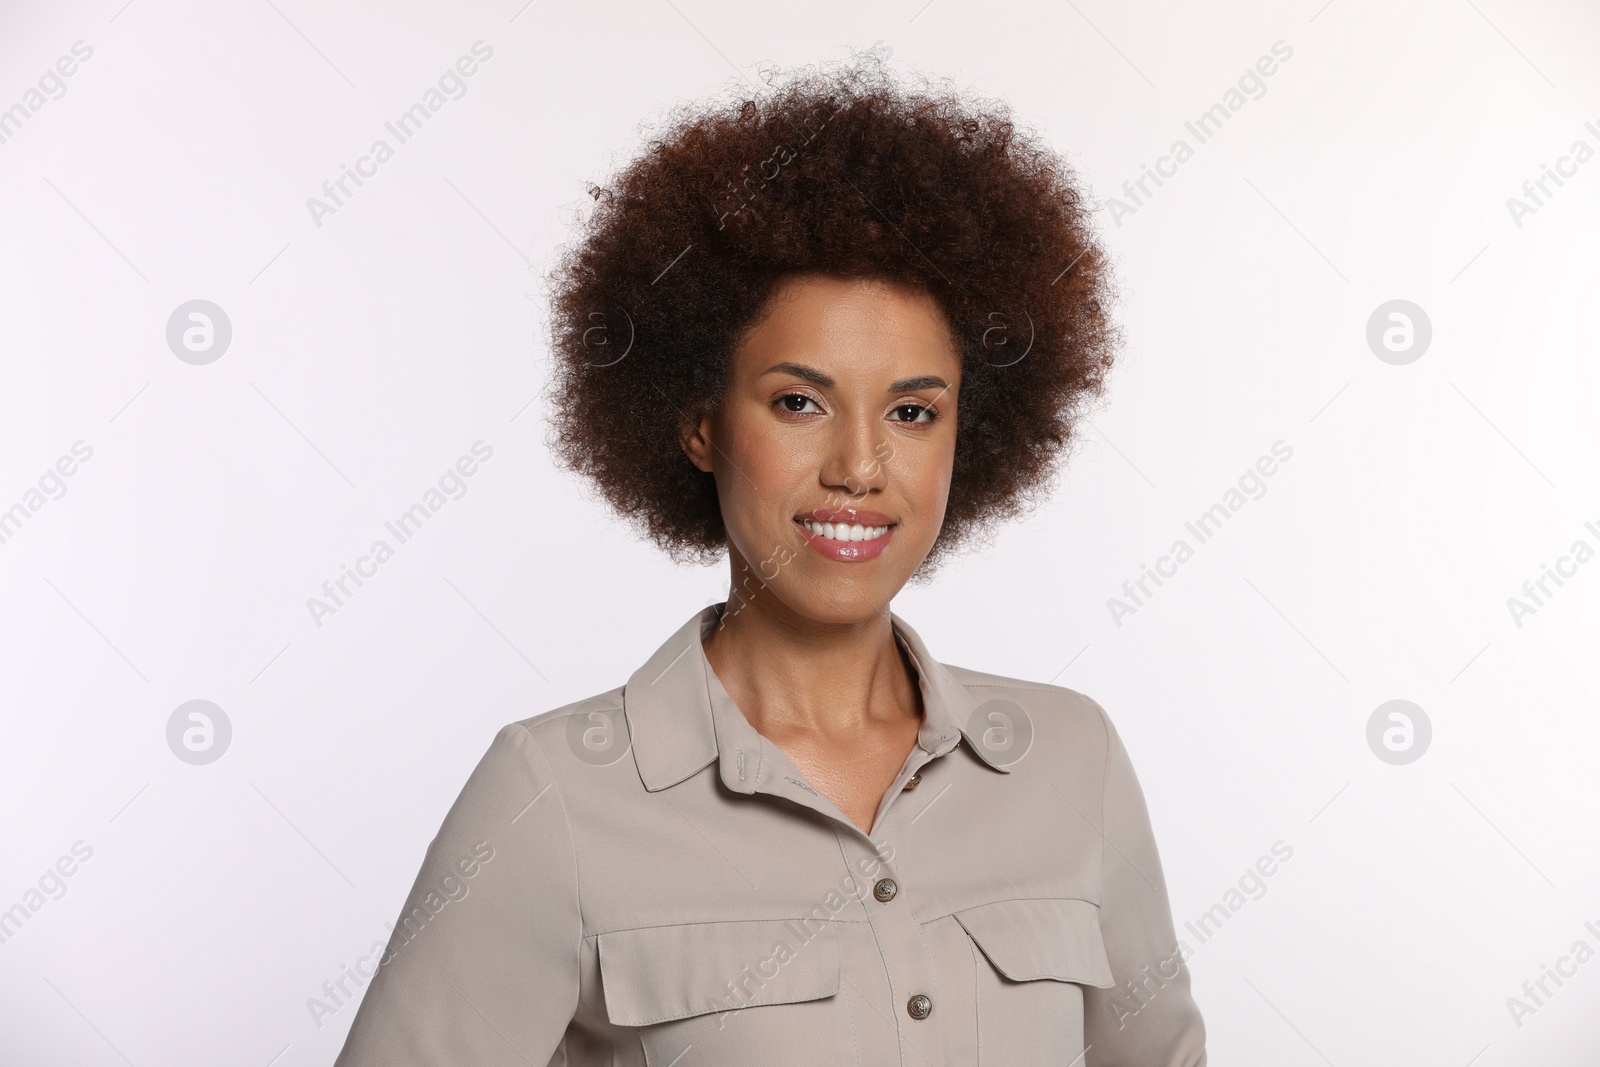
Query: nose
856	459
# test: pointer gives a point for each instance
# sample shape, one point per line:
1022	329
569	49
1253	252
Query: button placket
909	971
917	759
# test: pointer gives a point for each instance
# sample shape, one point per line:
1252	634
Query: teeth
845	531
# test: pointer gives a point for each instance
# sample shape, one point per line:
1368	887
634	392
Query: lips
851	516
847	535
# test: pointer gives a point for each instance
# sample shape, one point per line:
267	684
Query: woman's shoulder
1058	699
610	700
592	728
1070	716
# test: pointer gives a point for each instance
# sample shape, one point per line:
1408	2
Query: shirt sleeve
483	965
1149	1017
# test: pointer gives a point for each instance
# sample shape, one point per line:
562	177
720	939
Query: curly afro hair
845	171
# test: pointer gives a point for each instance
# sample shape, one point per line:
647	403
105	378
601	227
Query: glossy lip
849	515
847	551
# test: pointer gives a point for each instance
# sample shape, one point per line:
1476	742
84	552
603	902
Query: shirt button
911	783
885	889
919	1007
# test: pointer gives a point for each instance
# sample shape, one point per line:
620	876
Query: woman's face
840	411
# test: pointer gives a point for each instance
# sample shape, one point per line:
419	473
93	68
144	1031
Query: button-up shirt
642	878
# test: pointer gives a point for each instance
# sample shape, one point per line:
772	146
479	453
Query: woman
833	332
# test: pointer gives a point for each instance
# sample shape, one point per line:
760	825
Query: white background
372	351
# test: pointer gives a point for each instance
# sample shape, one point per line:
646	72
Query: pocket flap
656	973
1042	937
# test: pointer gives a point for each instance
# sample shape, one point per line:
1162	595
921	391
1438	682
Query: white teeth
845	532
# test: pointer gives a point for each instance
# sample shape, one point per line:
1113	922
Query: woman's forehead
854	323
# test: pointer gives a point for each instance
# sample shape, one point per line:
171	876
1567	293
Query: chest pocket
1044	937
761	991
1041	953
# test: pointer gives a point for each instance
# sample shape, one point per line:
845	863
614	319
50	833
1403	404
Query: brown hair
841	170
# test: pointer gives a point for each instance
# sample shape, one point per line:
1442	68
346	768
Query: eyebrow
816	377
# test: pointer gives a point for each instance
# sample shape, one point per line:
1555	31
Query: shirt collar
680	717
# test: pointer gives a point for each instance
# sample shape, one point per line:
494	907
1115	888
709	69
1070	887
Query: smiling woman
862	321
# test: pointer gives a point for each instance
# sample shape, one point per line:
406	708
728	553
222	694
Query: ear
694	434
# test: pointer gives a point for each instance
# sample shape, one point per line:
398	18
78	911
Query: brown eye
795	402
915	410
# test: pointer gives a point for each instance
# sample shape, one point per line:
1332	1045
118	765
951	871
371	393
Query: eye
916	411
789	402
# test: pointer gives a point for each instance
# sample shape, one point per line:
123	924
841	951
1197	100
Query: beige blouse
641	878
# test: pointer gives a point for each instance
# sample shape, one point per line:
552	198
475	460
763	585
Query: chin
842	605
818	587
836	593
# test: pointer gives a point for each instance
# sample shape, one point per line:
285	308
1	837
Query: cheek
928	477
775	461
757	471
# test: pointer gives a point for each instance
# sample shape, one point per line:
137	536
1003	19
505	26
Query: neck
788	672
